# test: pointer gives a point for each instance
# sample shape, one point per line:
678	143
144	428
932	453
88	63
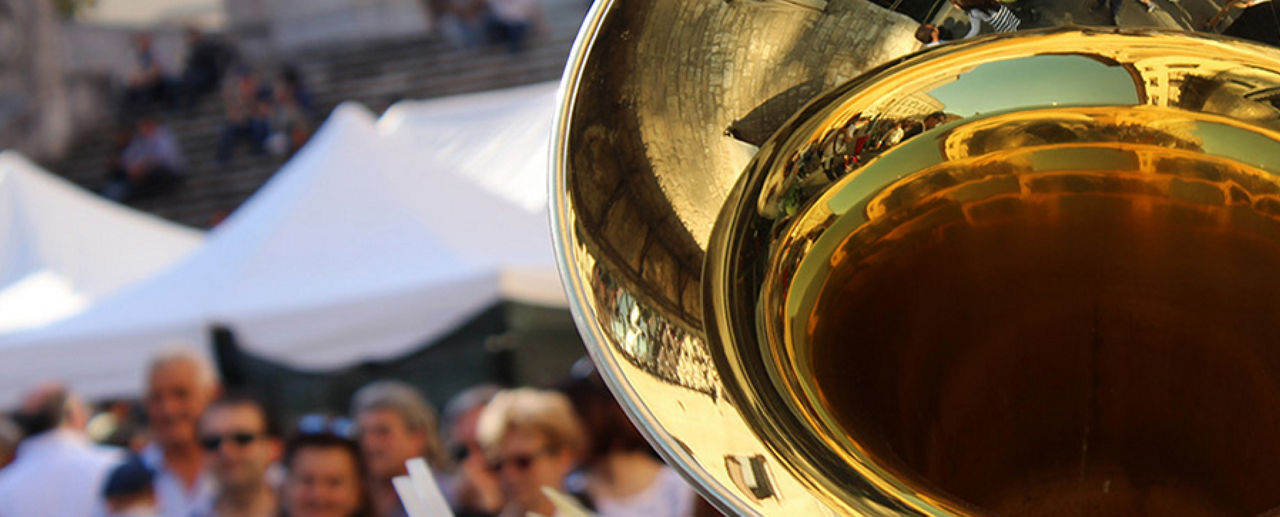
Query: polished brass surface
670	86
1025	274
1059	318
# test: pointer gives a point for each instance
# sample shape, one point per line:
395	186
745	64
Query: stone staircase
375	74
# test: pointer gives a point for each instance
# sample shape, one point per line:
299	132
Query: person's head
607	428
533	439
142	41
291	76
180	384
262	108
245	80
236	435
10	435
51	406
394	424
285	94
932	120
325	476
191	34
460	417
477	487
147	125
128	489
927	33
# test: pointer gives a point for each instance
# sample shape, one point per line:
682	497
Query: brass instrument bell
828	272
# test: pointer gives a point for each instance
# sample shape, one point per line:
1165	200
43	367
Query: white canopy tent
367	243
327	264
498	140
62	248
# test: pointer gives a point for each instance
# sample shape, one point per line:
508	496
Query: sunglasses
213	443
521	462
327	424
460	453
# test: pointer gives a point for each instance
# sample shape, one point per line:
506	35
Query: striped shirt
1002	20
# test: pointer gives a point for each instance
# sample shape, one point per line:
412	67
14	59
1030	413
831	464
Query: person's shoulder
153	458
6	474
676	492
10	477
203	508
108	454
672	483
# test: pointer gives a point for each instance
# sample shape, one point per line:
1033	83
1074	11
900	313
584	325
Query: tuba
829	272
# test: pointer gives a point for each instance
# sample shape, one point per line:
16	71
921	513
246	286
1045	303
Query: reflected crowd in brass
1023	275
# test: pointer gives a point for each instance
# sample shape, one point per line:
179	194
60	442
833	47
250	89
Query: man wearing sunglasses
239	451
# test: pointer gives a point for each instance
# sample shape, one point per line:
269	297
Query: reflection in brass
750	474
1021	275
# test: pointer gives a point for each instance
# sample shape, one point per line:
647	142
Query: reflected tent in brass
1026	274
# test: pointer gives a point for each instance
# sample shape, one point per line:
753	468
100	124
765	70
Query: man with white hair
180	384
57	472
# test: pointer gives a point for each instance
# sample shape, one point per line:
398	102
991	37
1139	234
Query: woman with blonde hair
533	439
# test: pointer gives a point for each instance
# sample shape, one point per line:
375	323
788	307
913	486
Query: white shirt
172	496
57	473
667	496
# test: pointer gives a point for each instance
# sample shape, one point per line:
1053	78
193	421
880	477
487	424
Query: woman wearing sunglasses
533	439
325	472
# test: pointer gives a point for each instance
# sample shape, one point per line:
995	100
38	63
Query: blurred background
237	236
339	270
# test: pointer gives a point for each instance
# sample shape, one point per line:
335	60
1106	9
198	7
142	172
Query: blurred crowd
190	450
267	109
472	23
268	112
1000	16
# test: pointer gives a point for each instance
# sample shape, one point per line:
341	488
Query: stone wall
36	115
292	24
